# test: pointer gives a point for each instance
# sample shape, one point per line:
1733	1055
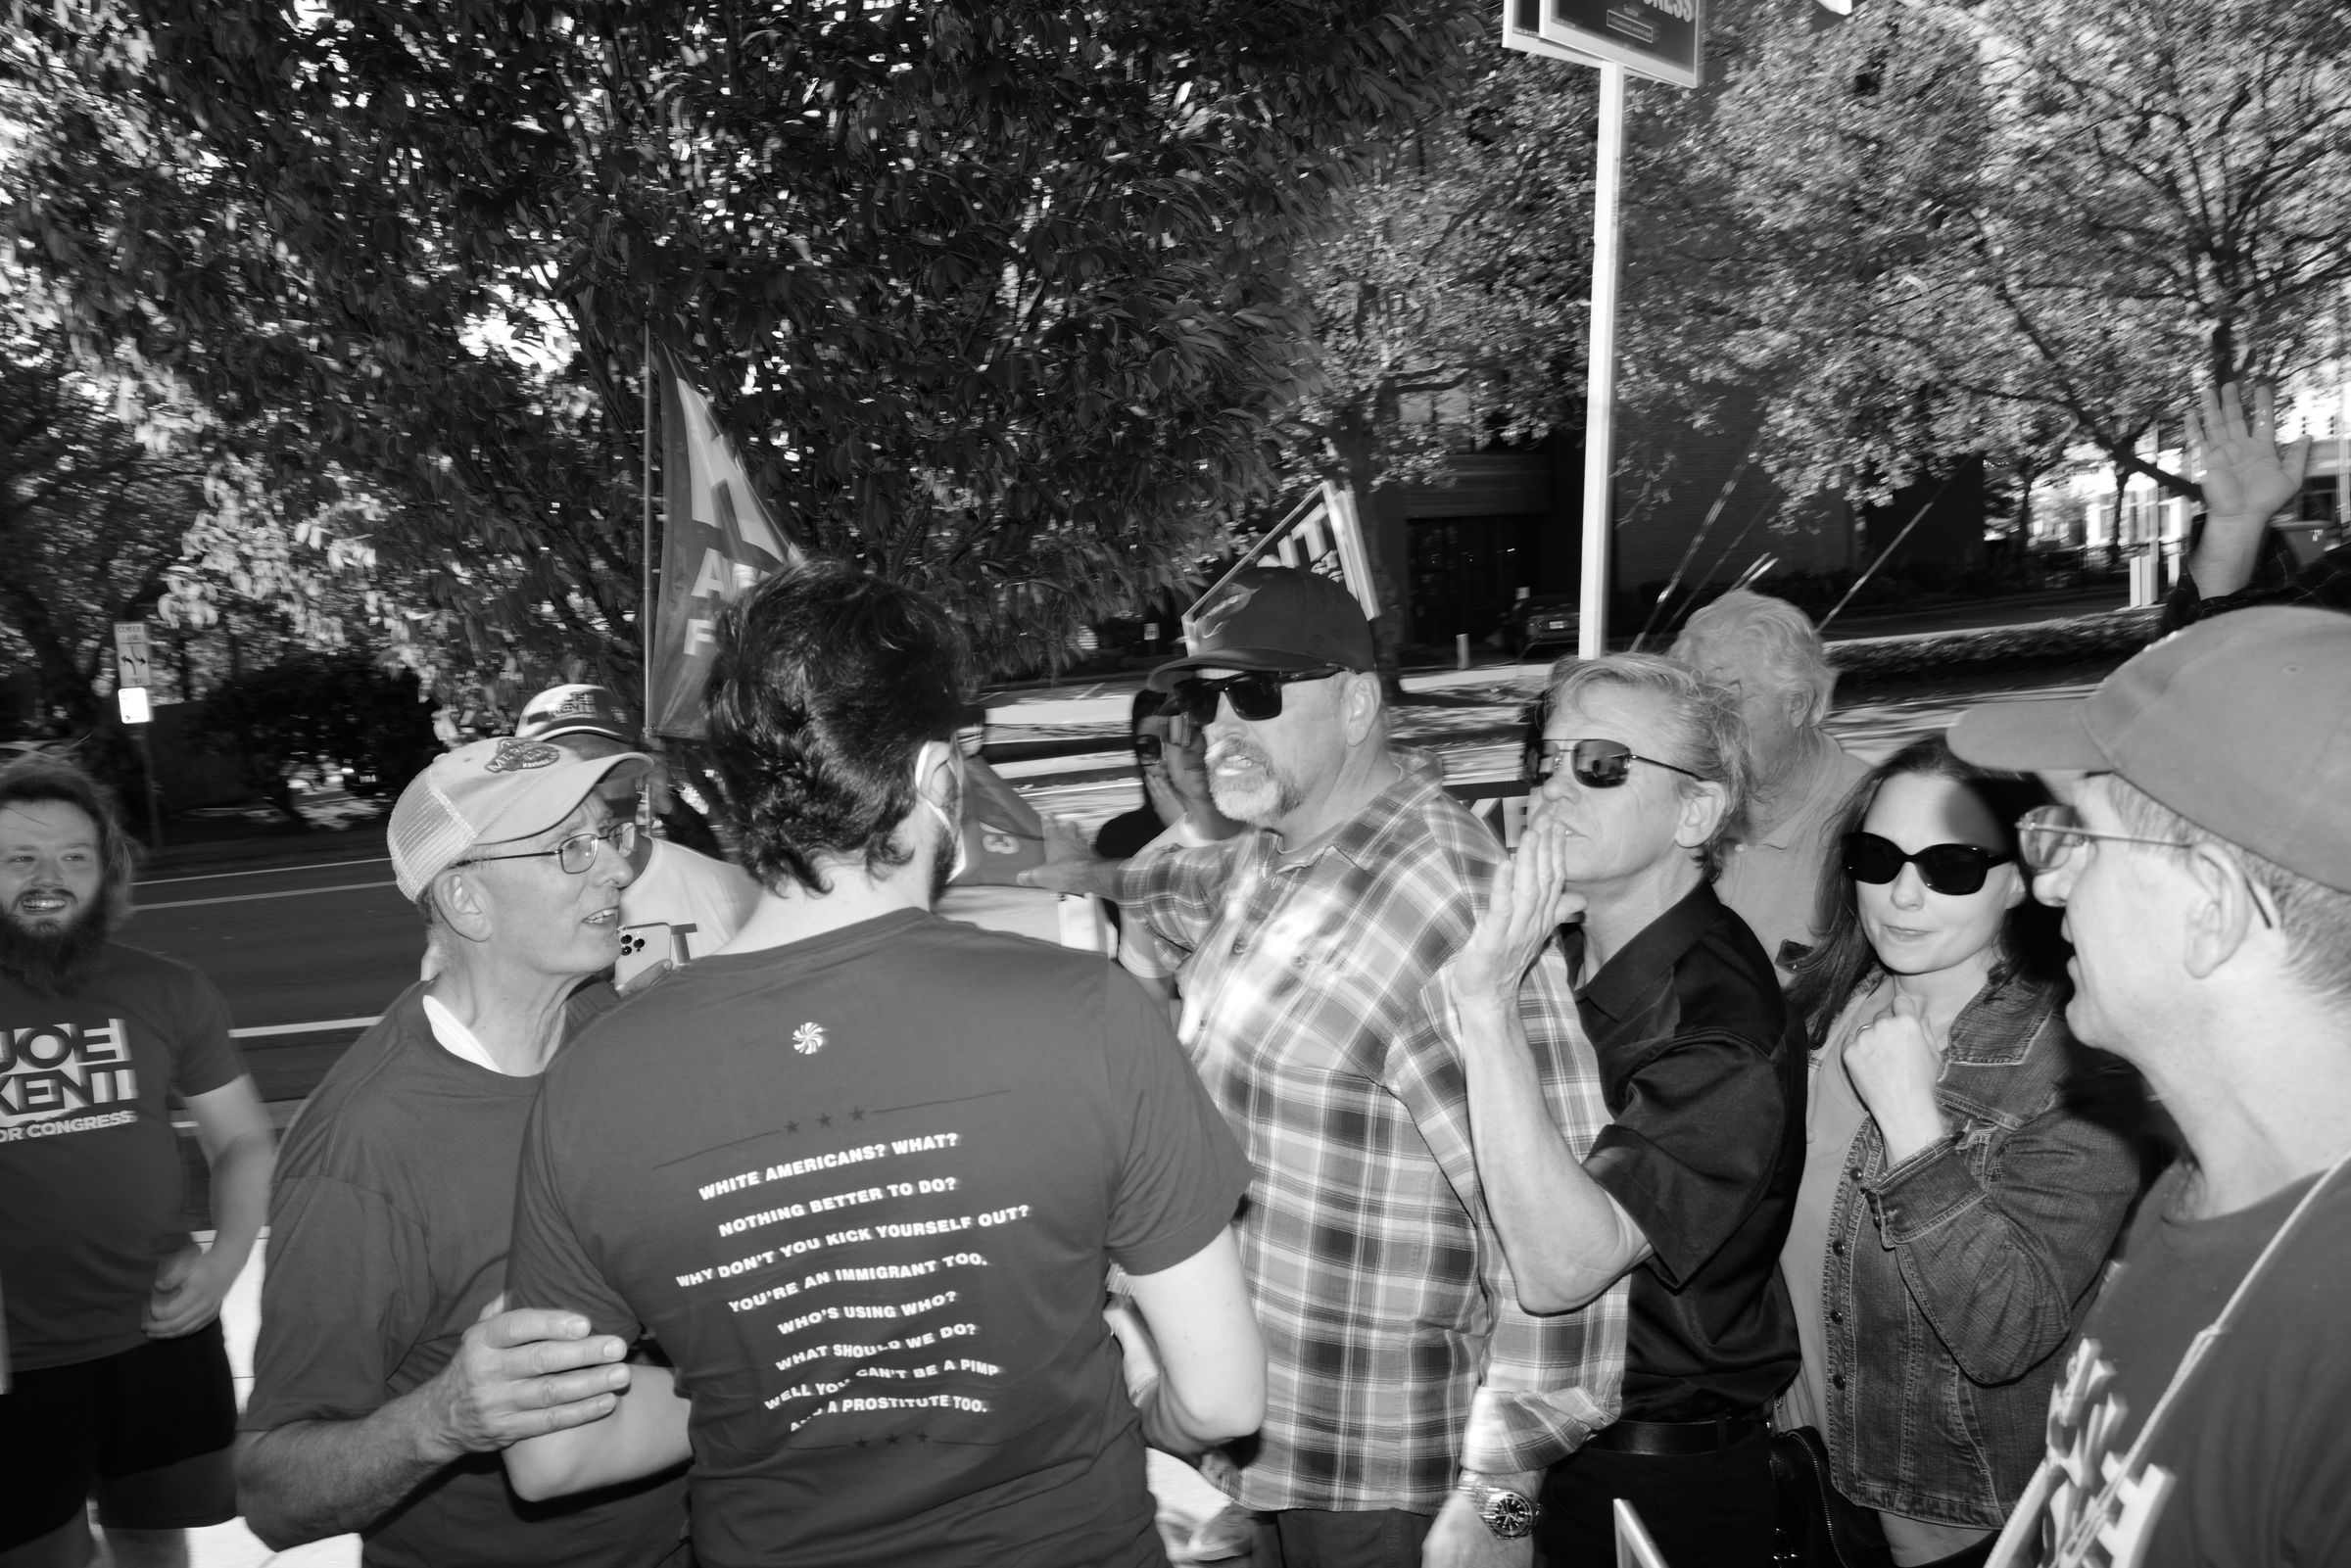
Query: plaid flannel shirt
1396	1347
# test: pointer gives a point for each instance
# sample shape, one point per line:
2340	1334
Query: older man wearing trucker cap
2203	860
703	900
386	1378
1411	1403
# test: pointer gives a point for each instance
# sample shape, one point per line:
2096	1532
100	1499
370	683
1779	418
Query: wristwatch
1508	1514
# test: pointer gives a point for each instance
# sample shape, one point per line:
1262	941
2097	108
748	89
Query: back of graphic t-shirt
863	1190
90	1166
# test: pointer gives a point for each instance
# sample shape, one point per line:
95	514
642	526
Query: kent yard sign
1662	39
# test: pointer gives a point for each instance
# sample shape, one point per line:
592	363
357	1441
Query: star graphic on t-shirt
791	1126
892	1440
861	1442
825	1121
856	1113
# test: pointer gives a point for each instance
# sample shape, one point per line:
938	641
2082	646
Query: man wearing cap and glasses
702	900
2204	861
1412	1401
386	1379
1693	1185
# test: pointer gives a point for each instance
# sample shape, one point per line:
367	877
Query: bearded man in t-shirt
116	1385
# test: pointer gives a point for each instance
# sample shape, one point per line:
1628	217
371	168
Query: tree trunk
2224	355
63	681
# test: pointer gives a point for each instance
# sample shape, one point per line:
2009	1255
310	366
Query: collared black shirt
1703	1073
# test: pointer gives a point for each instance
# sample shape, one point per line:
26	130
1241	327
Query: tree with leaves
342	706
1449	301
995	297
2007	226
97	485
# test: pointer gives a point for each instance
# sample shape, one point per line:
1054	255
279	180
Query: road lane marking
247	898
320	1027
266	871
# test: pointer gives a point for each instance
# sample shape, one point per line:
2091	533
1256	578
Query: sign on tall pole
1664	40
134	670
133	659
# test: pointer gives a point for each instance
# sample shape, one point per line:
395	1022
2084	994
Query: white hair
1789	656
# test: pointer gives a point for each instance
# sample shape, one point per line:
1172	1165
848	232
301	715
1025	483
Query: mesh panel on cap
426	839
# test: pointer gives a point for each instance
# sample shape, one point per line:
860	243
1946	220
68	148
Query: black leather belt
1661	1438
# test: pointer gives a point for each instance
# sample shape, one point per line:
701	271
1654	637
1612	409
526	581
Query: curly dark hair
826	685
37	777
1827	976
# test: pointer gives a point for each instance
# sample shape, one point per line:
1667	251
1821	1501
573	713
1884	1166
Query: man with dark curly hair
863	1171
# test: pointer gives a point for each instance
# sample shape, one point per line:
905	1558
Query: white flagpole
1600	381
644	591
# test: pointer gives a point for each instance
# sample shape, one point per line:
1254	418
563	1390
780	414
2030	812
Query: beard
56	957
1260	801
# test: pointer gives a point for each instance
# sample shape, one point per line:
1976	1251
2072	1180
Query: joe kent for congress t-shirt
90	1166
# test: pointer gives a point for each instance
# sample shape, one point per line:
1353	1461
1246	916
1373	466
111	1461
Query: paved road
292	949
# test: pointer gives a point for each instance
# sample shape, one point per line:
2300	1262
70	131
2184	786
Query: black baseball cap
1275	618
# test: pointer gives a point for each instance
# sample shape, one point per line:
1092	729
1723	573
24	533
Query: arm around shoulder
1212	1382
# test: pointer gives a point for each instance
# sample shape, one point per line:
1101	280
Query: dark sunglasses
1255	694
1954	869
1597	764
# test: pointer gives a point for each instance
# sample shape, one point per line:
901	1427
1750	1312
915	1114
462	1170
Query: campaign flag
1002	833
718	542
1322	533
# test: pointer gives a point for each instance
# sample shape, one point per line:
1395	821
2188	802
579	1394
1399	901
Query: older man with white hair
386	1379
1765	651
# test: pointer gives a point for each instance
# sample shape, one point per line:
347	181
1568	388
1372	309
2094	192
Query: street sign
1661	39
1664	40
1522	30
132	700
131	663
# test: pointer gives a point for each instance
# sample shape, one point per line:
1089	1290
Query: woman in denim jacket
1960	1191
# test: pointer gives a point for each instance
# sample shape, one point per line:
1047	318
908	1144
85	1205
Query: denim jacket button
1837	1247
1837	1380
1836	1314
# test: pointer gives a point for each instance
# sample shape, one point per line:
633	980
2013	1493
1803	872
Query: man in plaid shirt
1411	1403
